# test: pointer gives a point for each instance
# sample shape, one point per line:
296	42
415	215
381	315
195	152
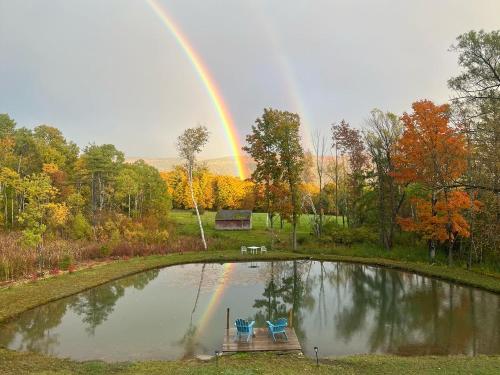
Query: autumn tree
261	146
40	211
275	146
127	185
290	161
189	144
431	153
382	135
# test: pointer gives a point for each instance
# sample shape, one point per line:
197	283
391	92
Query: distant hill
220	166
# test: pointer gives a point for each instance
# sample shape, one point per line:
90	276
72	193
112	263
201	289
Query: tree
479	56
100	166
10	184
127	183
40	210
319	145
476	109
189	144
7	141
290	161
384	131
432	153
274	144
262	148
350	144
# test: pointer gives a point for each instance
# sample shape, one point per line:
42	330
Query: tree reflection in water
343	308
189	341
33	329
97	304
393	312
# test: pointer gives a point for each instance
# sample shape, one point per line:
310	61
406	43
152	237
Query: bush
302	240
348	236
65	262
105	251
80	227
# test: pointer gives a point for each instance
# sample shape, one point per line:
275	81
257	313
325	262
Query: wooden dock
261	342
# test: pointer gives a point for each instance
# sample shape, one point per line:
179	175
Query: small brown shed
233	220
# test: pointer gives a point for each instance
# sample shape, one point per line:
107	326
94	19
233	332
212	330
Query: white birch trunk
196	208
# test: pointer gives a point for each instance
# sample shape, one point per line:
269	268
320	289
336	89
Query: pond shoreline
19	298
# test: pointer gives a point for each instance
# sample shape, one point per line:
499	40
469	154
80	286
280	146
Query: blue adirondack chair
278	328
244	328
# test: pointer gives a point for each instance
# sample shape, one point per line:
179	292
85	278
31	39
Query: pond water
179	311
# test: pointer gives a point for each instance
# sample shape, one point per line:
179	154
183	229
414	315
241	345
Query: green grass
247	364
18	298
186	224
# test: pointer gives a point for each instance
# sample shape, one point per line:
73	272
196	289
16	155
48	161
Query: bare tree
189	144
384	130
319	145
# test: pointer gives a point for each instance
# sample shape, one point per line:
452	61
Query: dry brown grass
17	262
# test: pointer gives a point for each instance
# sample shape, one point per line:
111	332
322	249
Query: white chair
243	249
263	249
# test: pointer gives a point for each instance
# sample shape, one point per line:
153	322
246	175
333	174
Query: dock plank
260	342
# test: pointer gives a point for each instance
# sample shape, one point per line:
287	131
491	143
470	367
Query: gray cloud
109	71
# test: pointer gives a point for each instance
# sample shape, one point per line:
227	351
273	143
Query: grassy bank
18	298
265	363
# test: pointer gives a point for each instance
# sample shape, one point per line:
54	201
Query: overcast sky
108	71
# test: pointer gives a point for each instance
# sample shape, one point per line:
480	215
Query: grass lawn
18	298
186	224
264	363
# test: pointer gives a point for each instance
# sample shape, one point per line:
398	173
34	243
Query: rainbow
288	76
216	297
208	82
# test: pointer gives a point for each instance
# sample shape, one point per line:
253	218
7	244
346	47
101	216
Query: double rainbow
208	82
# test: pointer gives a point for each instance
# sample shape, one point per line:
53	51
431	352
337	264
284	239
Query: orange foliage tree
432	154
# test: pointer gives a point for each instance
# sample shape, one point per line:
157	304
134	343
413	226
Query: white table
253	249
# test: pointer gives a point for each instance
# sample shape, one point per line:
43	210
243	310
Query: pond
180	311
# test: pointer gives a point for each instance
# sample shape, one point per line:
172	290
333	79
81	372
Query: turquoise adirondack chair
244	328
278	328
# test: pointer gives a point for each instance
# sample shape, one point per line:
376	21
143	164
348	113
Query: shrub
302	240
105	251
348	236
80	227
66	262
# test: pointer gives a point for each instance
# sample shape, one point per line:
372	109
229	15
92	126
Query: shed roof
223	215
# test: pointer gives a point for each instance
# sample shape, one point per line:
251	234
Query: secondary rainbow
208	82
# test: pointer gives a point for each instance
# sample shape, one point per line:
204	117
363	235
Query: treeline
52	190
212	191
432	171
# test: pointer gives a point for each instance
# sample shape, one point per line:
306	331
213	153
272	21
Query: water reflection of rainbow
228	269
209	83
